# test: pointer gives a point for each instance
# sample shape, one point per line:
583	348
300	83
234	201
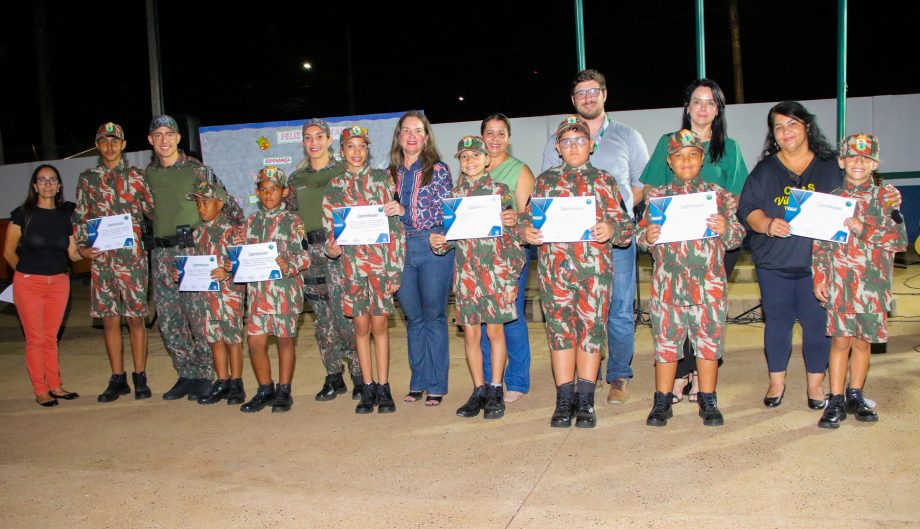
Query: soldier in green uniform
323	281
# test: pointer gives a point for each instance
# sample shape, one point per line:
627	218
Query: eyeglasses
45	181
581	95
778	128
708	103
567	143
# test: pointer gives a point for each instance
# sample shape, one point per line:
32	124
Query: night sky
244	65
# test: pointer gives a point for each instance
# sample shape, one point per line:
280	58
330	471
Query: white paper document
254	262
565	219
195	273
819	215
683	217
7	294
360	225
472	217
111	233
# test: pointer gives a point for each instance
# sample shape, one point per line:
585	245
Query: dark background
238	65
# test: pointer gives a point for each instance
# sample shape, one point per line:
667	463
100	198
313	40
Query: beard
597	111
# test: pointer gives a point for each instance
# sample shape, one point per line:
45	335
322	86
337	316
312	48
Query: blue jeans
621	322
423	297
517	339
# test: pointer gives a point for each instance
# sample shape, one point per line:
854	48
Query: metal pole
700	41
580	34
841	69
43	63
153	58
736	51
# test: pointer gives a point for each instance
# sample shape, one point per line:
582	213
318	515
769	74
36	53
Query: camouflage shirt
692	272
367	187
285	295
858	273
213	238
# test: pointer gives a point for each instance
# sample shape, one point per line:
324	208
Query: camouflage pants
335	333
181	317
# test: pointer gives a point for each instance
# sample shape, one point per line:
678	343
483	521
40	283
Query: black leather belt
316	236
321	280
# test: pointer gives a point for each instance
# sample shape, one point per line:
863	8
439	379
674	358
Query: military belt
165	242
316	236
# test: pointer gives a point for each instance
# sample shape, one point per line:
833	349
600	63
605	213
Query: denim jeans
423	296
621	323
517	339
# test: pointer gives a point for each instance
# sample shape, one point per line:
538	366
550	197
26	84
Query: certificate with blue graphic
111	233
472	217
683	217
254	262
819	215
195	273
360	225
564	219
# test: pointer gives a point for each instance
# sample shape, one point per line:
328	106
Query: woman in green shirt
704	114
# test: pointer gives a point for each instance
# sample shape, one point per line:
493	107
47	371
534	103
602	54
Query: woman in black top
39	242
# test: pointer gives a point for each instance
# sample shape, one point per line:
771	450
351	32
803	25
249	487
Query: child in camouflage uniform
223	325
853	280
274	306
485	280
687	295
373	272
575	277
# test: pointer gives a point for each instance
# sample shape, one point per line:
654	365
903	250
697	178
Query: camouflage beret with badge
110	130
860	145
471	143
682	139
206	189
355	131
272	174
572	122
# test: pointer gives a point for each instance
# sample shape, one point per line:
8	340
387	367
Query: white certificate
819	215
472	217
111	233
195	273
254	262
564	219
683	217
360	225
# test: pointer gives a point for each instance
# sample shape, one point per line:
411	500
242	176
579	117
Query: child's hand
89	253
283	265
437	241
892	198
602	231
219	274
716	223
821	292
509	218
855	225
651	192
652	233
333	249
228	266
531	235
393	208
174	274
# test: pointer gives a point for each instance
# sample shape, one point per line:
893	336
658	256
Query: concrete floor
157	464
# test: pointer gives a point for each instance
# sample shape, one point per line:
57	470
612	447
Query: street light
307	66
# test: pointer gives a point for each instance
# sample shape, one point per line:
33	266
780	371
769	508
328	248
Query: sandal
413	396
434	400
693	396
681	388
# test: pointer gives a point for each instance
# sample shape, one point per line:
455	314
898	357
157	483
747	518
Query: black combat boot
198	387
264	396
475	403
857	406
236	395
584	414
835	412
385	403
565	406
141	389
357	384
332	388
661	410
495	403
709	409
219	391
179	389
283	399
118	386
368	399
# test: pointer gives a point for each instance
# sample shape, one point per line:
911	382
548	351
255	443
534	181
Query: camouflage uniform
324	280
180	315
575	278
369	268
119	277
858	273
485	270
274	306
688	282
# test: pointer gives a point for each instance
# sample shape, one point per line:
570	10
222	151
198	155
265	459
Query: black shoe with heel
773	402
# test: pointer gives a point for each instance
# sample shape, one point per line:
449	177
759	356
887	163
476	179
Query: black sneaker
584	414
236	395
219	391
179	389
283	399
495	403
565	406
385	403
368	399
264	396
661	410
709	409
857	406
199	387
356	384
475	403
118	386
141	389
332	388
834	414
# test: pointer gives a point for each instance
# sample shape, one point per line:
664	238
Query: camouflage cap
683	138
270	173
206	189
471	143
163	121
860	145
316	122
572	122
355	131
110	130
